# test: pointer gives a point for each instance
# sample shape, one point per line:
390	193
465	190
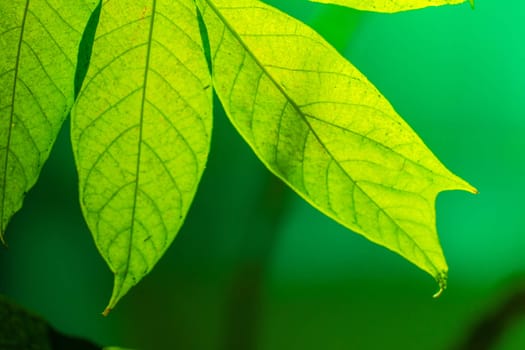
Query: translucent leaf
322	127
39	43
392	5
141	132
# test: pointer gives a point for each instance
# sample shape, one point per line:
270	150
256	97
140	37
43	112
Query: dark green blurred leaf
21	330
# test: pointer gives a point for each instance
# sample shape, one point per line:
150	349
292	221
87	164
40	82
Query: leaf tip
441	279
2	239
471	189
111	305
106	311
472	4
464	186
116	295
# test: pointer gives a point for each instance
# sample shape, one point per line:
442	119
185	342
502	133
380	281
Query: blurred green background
255	267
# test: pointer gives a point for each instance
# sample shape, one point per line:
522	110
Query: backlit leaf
39	43
322	127
392	5
141	131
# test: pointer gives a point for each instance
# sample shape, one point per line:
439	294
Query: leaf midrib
304	118
139	145
11	118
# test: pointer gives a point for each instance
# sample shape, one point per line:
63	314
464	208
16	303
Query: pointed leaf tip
106	311
442	283
121	286
469	188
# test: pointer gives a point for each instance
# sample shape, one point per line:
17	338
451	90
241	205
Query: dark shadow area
21	330
247	287
493	323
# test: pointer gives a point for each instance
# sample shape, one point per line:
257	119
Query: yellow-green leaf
39	43
390	6
322	127
141	131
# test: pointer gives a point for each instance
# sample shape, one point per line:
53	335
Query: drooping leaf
141	132
39	43
322	127
390	6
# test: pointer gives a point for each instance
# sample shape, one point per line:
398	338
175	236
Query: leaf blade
141	132
392	6
317	123
39	41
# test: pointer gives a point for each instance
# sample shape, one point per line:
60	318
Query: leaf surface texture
39	43
322	127
141	131
390	6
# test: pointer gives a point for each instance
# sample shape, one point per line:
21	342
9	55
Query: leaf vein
11	117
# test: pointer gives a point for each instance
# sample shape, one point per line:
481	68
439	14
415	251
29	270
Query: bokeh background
257	268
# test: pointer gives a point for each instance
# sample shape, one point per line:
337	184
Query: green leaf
141	132
390	6
39	43
322	127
